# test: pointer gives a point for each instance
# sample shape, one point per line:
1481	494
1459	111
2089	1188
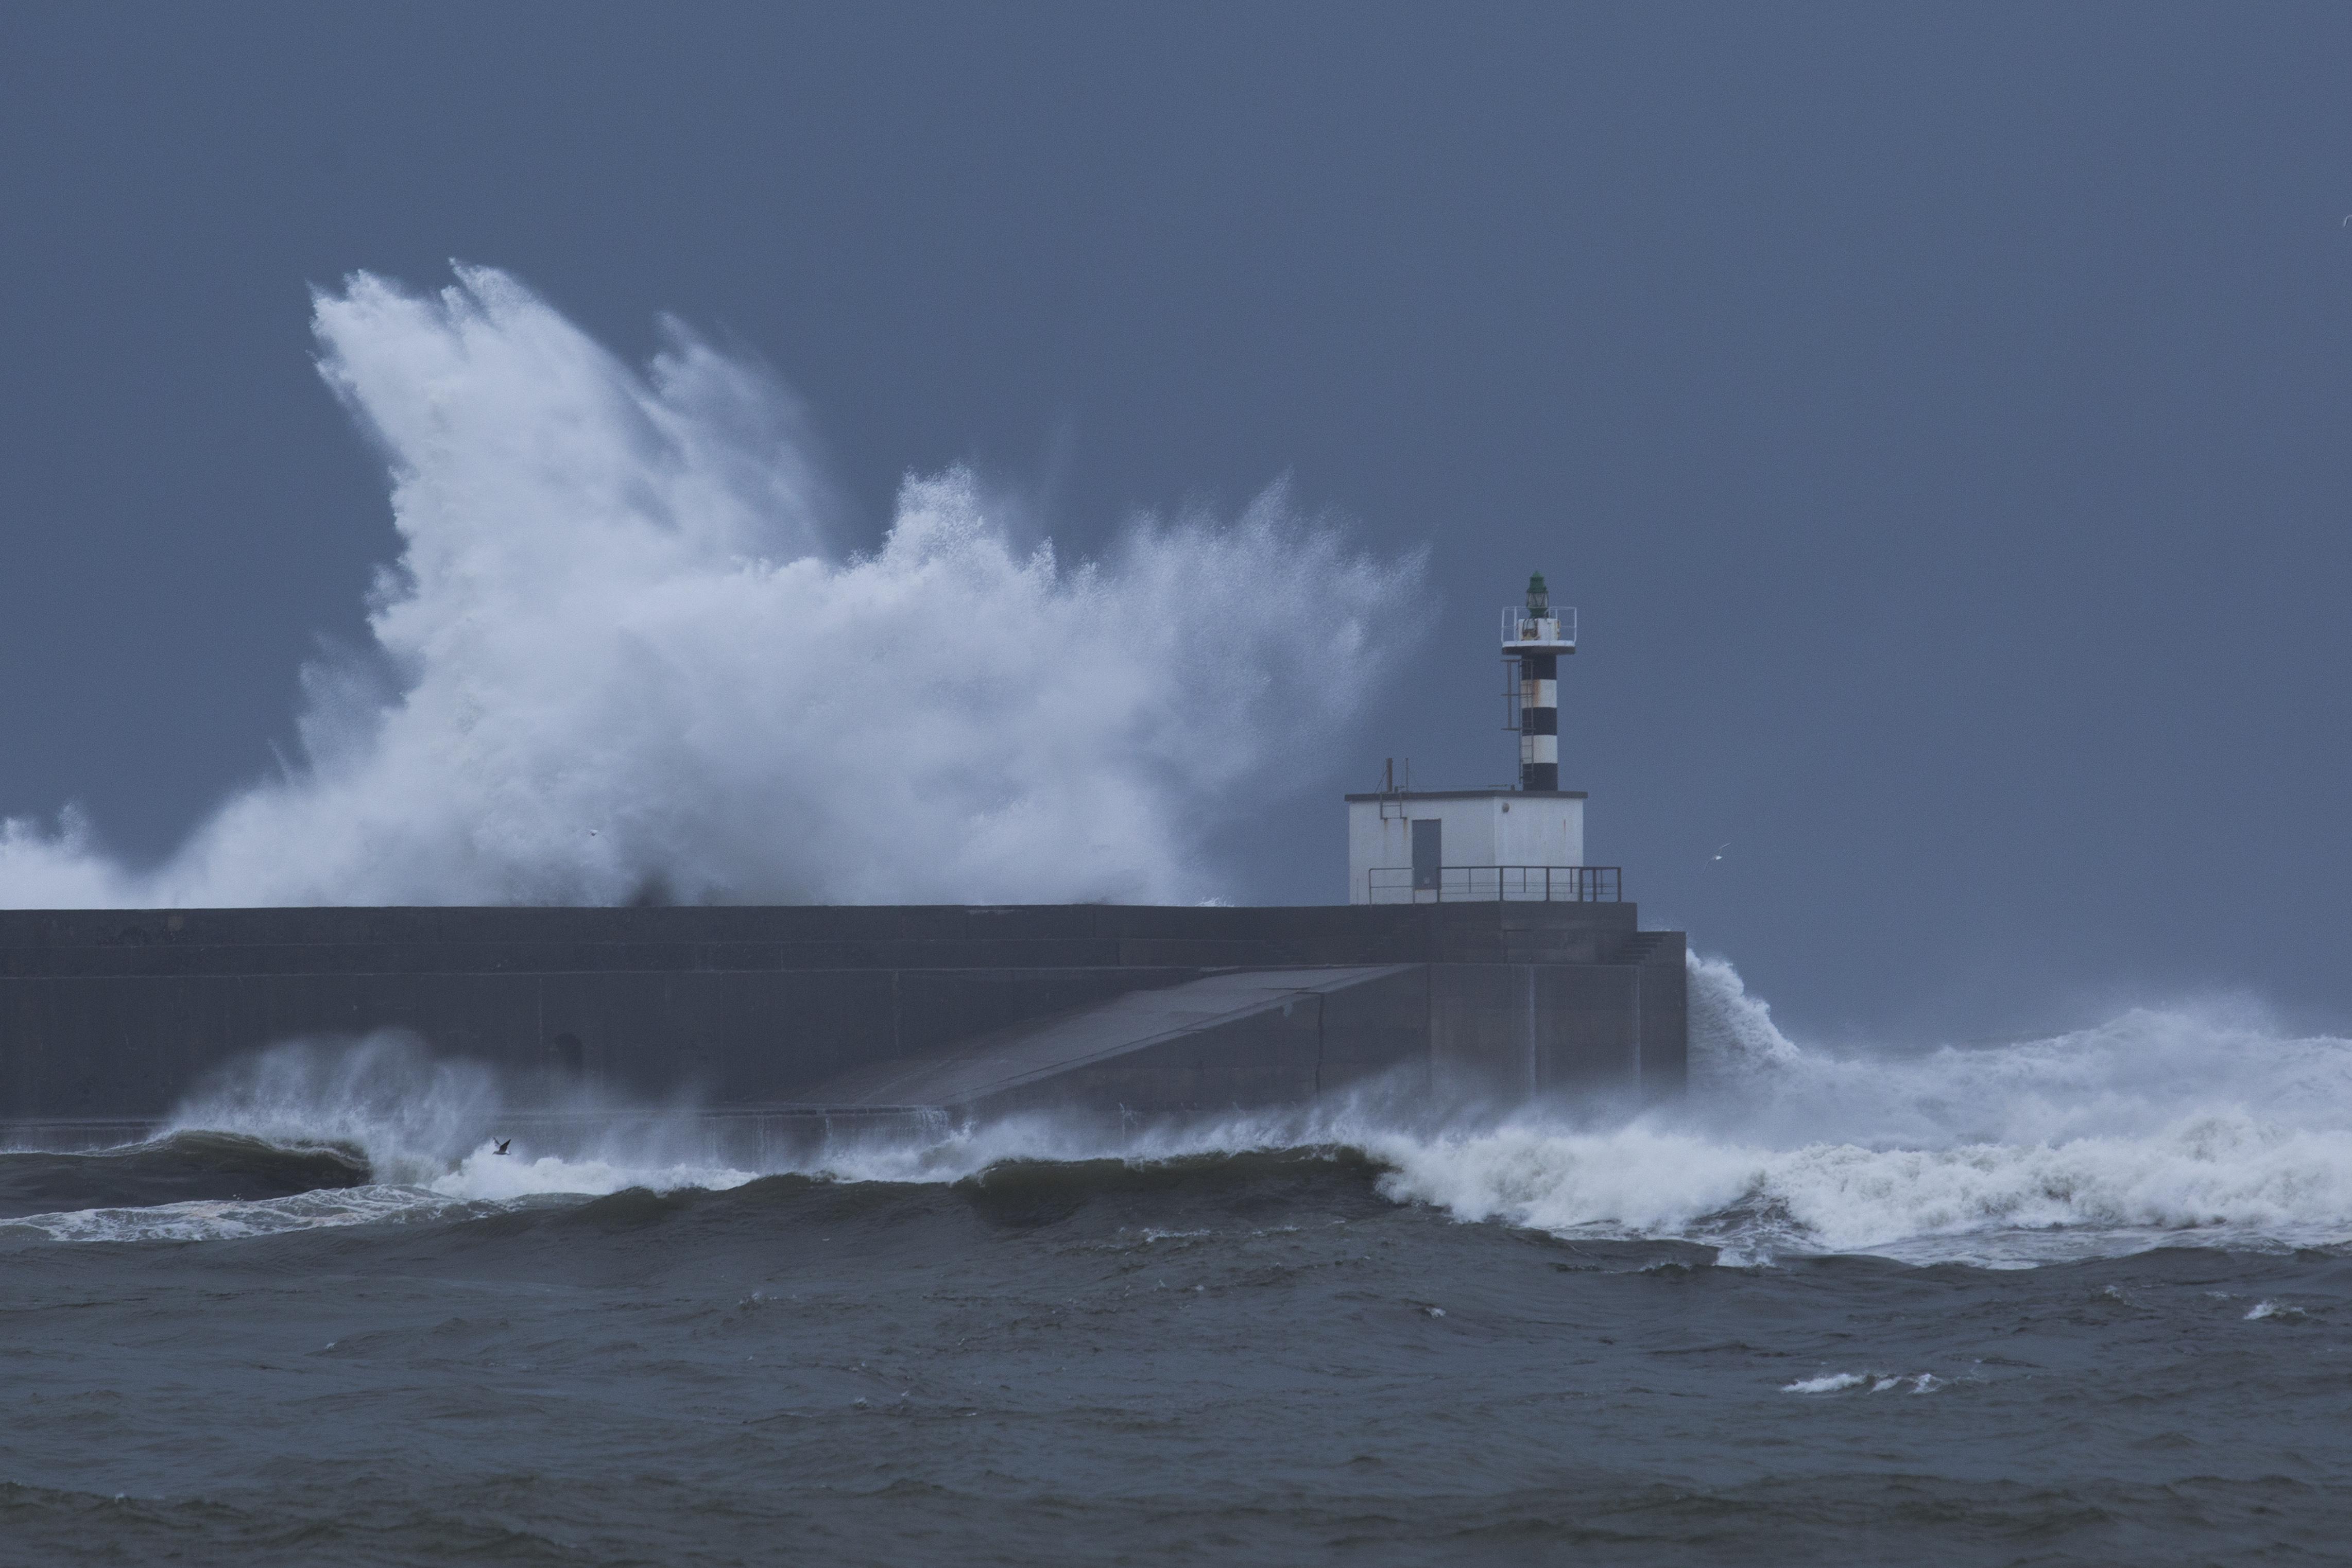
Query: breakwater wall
116	1014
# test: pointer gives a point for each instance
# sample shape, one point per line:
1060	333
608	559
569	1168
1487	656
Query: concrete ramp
1247	1038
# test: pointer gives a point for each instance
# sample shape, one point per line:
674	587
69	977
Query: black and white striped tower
1534	638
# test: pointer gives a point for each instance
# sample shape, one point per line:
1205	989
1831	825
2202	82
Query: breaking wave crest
2160	1127
622	655
434	1124
389	1133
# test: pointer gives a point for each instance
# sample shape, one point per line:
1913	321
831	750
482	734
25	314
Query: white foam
2162	1125
1875	1383
1828	1383
483	1183
625	649
2227	1174
234	1219
486	1175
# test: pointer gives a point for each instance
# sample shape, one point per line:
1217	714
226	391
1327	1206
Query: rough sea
2080	1299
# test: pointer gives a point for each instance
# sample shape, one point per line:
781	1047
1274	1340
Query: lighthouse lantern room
1430	846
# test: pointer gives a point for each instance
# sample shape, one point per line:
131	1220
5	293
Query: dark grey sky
1937	413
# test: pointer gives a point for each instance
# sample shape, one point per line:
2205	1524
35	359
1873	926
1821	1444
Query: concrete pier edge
110	1017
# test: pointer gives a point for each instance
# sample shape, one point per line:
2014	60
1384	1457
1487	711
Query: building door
1428	854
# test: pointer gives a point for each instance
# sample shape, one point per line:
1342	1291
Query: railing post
1568	883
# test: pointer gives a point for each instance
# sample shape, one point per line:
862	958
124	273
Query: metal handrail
1498	884
1518	626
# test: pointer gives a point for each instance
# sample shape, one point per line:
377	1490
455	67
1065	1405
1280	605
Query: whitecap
1827	1383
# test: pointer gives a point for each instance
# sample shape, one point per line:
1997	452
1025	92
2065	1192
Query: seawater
2078	1300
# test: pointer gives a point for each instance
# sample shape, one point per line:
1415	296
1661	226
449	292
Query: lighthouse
1523	842
1534	639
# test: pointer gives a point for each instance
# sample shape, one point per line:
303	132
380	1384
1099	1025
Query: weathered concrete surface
116	1014
1255	1037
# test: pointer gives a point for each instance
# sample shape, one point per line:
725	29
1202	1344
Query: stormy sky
1937	415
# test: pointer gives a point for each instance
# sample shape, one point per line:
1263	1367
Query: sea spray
2161	1126
407	1112
434	1123
624	654
2180	1125
2183	1124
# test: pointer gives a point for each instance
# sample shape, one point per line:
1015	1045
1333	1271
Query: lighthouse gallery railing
1518	626
1499	884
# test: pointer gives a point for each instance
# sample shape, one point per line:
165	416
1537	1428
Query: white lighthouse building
1428	846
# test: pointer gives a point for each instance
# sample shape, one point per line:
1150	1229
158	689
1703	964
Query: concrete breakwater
111	1016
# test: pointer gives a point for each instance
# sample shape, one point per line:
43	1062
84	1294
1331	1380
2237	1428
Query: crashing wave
622	656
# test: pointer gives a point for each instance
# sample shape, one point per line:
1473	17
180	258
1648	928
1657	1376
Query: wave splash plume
621	656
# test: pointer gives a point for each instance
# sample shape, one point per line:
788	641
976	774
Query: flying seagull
1719	848
502	1145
